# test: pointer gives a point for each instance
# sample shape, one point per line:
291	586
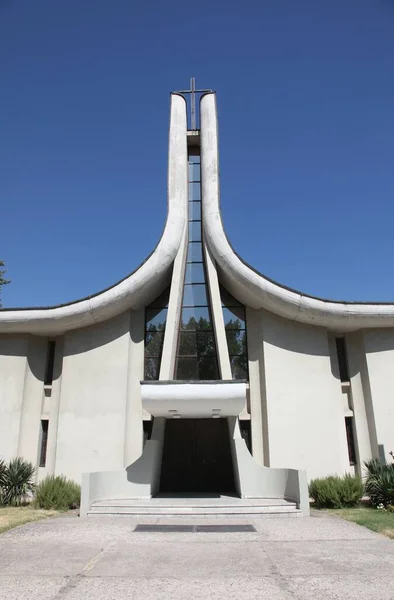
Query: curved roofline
143	284
51	306
247	283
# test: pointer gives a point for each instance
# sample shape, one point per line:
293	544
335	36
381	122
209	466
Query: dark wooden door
197	457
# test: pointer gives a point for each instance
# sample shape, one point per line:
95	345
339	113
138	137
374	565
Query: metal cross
193	93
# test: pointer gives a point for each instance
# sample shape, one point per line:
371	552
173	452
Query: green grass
380	521
11	516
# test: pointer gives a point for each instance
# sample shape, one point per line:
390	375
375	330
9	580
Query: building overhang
193	399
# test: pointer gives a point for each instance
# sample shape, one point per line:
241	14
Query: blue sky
305	96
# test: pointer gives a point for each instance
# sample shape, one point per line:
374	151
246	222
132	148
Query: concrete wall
91	428
305	417
360	400
13	353
33	396
379	349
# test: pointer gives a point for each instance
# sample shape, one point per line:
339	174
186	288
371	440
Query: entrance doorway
197	457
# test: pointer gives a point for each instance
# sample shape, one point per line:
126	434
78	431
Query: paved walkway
321	558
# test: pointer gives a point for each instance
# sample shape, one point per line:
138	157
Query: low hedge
336	492
57	493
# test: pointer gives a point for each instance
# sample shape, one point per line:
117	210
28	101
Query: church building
196	374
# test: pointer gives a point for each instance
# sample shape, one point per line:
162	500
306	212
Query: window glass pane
205	343
195	273
228	299
194	191
195	295
152	368
194	211
194	172
196	318
187	344
187	368
236	341
234	318
153	343
239	367
350	440
194	158
246	433
44	443
208	368
194	253
342	359
50	363
194	231
156	319
196	343
162	301
197	368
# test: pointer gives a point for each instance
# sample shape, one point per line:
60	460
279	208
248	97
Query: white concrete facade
300	400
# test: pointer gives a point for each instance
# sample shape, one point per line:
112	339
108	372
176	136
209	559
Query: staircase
196	505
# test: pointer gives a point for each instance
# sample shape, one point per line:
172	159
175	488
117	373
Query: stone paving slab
238	588
344	587
366	557
181	561
24	588
320	557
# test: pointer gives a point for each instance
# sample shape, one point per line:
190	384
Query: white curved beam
200	400
142	286
251	287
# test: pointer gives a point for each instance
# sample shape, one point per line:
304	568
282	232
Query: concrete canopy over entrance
199	399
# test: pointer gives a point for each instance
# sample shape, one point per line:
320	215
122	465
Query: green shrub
17	482
3	469
336	492
379	482
324	492
351	490
58	493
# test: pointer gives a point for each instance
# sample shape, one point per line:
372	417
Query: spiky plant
379	482
18	483
3	469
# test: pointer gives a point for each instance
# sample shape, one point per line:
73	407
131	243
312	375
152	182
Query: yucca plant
3	469
379	482
17	482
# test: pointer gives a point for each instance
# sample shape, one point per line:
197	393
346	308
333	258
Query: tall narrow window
147	430
246	434
342	359
50	362
350	440
235	326
44	442
196	356
155	325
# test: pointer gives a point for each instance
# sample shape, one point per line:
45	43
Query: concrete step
190	507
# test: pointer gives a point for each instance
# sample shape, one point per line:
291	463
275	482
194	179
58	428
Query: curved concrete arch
250	286
142	286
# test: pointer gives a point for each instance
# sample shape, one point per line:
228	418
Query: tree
2	280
